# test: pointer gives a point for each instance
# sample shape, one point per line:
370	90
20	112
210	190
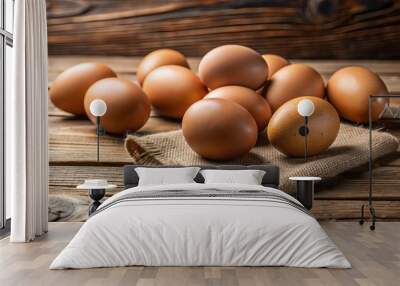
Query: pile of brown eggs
235	96
128	108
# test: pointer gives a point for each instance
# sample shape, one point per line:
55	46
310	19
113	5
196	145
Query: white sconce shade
305	107
98	107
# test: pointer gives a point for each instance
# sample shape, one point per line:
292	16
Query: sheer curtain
26	124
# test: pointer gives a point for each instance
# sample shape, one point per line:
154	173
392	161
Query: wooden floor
73	152
375	257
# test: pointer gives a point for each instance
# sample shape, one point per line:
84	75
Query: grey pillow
247	177
166	176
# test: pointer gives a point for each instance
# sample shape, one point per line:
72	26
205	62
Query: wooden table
73	150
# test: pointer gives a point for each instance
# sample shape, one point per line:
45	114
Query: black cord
305	138
98	137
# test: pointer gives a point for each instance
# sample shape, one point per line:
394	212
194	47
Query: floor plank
375	258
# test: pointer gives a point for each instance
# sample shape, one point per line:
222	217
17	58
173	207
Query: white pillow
165	176
248	177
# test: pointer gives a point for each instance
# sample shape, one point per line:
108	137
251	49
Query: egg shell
275	63
395	102
349	89
219	129
128	108
158	58
233	65
293	81
173	89
284	125
68	90
247	98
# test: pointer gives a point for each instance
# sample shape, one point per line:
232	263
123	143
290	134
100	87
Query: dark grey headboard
271	177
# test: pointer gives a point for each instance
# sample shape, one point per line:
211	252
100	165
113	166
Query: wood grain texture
350	209
309	29
375	258
126	67
73	149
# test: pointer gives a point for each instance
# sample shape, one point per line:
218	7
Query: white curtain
26	124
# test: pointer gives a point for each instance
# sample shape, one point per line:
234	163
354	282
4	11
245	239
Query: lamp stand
305	138
370	206
99	132
304	132
96	195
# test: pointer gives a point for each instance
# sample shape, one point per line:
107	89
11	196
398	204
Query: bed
201	224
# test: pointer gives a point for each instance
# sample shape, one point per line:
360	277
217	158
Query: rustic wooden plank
125	67
74	141
64	179
386	185
77	143
347	189
383	175
58	64
350	209
128	65
322	209
303	29
327	67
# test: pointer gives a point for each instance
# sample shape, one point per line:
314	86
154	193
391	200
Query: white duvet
200	231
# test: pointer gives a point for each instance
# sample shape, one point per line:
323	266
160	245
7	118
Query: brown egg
157	59
249	99
323	125
293	81
233	65
275	63
68	90
173	89
395	102
219	129
128	108
348	90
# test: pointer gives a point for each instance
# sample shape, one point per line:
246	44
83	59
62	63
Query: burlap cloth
348	151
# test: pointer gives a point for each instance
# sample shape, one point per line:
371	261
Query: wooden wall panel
351	29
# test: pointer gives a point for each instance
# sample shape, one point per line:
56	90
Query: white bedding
200	231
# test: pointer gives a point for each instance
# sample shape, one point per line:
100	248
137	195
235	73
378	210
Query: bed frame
271	177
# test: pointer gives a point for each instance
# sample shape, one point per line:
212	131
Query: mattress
201	225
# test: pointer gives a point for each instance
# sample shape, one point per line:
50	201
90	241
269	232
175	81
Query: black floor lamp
305	184
370	201
97	187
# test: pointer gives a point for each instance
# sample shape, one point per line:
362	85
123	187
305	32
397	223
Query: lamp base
305	193
96	195
373	216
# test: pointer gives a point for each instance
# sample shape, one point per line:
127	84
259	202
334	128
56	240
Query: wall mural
211	82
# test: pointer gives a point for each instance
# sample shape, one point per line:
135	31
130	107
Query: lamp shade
305	107
98	107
